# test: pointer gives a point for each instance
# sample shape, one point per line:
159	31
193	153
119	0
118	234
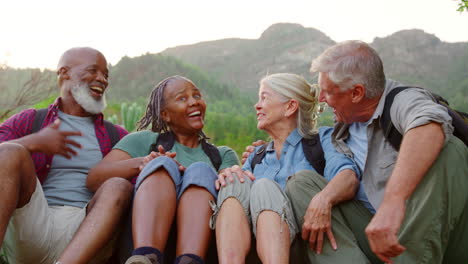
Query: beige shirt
411	108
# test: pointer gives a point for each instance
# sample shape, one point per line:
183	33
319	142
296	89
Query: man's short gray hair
292	86
352	62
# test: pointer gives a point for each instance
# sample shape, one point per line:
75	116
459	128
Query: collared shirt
411	108
357	142
20	125
293	160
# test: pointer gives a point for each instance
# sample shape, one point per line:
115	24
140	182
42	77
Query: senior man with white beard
46	211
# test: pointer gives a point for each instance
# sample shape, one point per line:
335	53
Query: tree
463	5
37	86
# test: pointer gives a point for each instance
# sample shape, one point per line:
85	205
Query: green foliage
46	102
130	115
326	119
134	78
233	124
462	5
3	256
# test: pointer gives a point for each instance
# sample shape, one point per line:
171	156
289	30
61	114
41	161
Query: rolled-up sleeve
415	107
335	161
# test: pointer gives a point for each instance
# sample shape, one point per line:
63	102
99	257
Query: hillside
416	57
241	62
133	78
410	56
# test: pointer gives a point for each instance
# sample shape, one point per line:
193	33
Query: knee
304	181
260	189
199	165
263	184
14	151
117	190
162	160
160	165
198	169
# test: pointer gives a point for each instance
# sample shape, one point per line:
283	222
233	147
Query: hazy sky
35	33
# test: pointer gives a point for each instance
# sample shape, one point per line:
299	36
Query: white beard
80	93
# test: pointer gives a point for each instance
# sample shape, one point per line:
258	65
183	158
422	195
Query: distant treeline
230	118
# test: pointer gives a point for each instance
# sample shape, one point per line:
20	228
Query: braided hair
155	105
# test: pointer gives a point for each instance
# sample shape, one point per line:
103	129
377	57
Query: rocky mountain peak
292	31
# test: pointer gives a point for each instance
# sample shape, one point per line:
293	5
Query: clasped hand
161	152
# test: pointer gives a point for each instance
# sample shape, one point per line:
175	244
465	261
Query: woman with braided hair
175	168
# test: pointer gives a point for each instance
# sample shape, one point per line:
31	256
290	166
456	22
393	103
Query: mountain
243	62
223	68
133	78
422	59
410	56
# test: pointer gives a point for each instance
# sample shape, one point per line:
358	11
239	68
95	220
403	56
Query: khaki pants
256	197
38	233
435	229
349	220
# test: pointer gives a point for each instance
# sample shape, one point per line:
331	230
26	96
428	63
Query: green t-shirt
138	144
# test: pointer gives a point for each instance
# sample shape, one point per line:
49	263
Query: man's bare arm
419	149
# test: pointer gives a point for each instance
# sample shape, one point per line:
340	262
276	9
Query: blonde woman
287	110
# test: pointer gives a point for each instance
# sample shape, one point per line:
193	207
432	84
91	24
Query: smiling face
340	101
83	78
271	108
184	109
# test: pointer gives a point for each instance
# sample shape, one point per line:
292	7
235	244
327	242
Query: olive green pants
435	228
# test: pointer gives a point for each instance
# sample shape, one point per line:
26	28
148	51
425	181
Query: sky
35	33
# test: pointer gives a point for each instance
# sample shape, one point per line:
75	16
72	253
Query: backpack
312	151
459	119
41	114
167	141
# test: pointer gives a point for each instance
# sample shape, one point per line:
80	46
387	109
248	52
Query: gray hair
352	62
292	86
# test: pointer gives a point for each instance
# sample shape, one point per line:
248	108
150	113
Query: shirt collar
293	139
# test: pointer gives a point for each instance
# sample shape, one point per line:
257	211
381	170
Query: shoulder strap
258	156
312	150
39	119
112	131
390	132
213	153
314	153
167	140
459	119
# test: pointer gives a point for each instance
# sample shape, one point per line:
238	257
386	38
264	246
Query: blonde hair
293	86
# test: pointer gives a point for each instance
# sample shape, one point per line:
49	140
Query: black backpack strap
314	153
459	119
166	140
258	156
112	131
460	124
213	153
390	132
39	119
